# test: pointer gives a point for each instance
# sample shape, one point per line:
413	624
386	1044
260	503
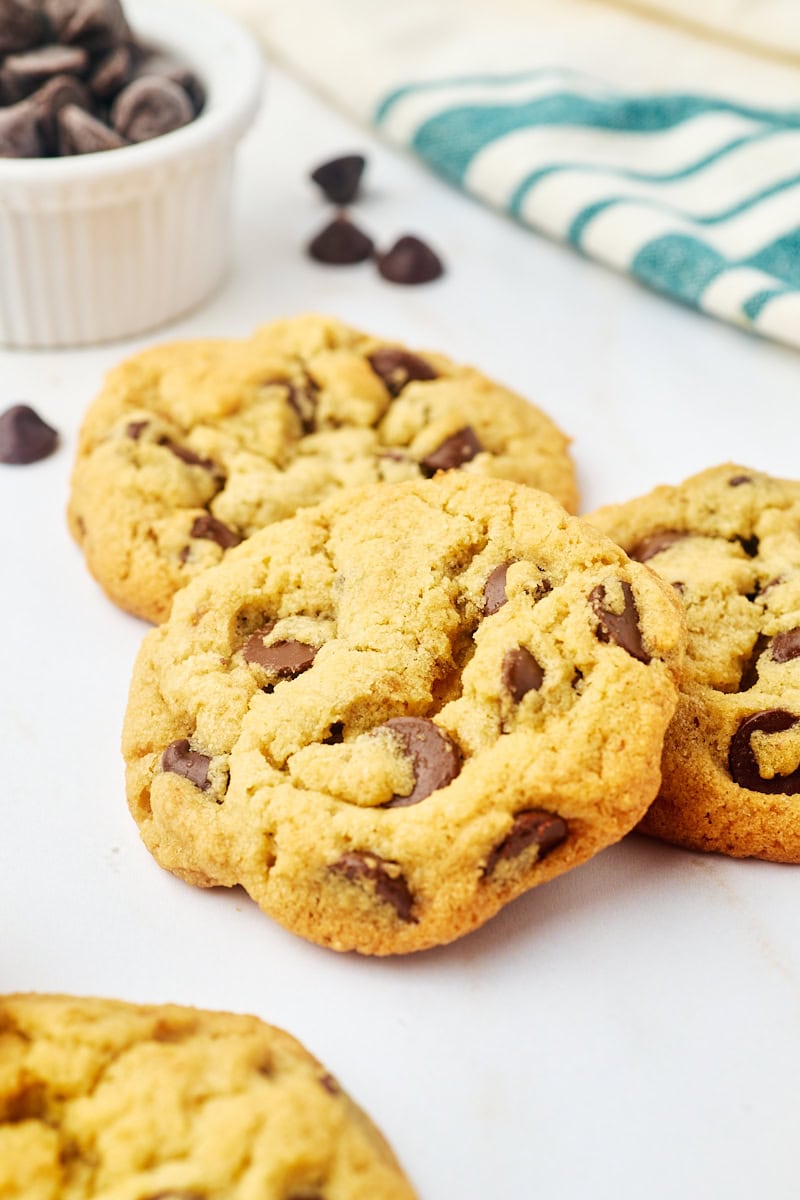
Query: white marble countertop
629	1031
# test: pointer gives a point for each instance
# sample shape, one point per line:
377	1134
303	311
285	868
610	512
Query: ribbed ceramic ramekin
101	246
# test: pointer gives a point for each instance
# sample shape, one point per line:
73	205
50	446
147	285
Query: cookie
391	714
191	448
104	1099
728	540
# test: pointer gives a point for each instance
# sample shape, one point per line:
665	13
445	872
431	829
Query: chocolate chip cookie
391	714
728	541
101	1098
191	448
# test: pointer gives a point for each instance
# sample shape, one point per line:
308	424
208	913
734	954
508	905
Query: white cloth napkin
641	141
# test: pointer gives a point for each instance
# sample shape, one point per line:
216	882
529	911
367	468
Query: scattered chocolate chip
521	673
680	586
453	452
621	628
302	399
750	669
81	133
654	543
738	480
20	131
742	762
410	261
135	429
149	107
206	526
494	590
397	368
112	72
330	1085
179	759
389	887
186	455
340	243
22	25
435	757
284	659
786	646
749	545
335	734
531	827
24	436
339	178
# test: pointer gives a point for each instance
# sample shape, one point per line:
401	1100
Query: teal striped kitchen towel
646	145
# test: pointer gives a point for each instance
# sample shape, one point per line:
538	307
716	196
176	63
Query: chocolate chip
786	646
494	590
521	673
96	24
410	261
20	132
621	628
27	70
81	133
22	25
179	759
330	1085
341	243
742	762
150	107
24	436
168	68
749	676
389	887
49	100
461	447
531	827
435	758
135	429
335	734
654	543
284	659
339	178
302	399
186	455
112	72
206	526
738	480
749	545
398	367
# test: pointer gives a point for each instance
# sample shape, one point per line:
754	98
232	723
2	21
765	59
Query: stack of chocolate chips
74	79
342	243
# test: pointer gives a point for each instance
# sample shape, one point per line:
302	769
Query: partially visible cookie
192	447
728	540
99	1098
391	714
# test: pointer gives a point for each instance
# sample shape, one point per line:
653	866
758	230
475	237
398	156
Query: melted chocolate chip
339	179
330	1084
186	455
750	669
284	659
81	133
654	543
494	590
786	646
521	673
335	734
389	887
24	436
206	526
150	107
179	759
742	762
410	261
304	402
340	244
435	757
397	368
749	545
461	447
135	429
531	827
620	628
738	480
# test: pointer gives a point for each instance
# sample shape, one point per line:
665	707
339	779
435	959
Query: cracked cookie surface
391	714
103	1100
192	447
728	540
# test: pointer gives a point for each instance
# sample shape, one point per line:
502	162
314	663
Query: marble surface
628	1031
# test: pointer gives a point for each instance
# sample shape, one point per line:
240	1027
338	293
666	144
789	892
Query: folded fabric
641	143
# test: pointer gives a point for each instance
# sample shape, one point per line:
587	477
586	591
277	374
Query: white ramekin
101	246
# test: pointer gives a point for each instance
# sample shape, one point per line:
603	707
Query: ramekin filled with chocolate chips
118	128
